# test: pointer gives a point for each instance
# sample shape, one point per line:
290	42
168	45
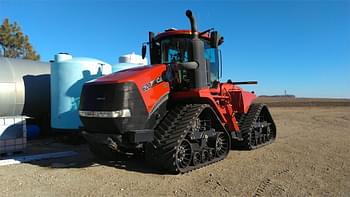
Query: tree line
14	43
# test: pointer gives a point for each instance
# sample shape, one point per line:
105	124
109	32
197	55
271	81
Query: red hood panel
142	77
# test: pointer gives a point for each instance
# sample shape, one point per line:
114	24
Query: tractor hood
147	79
137	75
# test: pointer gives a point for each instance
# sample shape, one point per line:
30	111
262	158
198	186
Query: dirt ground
309	158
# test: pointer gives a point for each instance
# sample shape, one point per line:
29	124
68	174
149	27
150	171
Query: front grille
112	97
106	97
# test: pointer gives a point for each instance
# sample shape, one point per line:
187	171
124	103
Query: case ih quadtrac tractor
175	110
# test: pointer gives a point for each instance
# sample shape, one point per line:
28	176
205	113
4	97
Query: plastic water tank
68	75
129	61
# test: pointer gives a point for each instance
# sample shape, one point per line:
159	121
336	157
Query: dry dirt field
309	158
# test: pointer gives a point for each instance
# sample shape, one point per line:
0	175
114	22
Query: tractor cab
193	58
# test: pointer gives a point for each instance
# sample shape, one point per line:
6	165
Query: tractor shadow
128	163
135	163
84	158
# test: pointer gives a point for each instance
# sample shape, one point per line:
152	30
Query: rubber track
247	127
169	135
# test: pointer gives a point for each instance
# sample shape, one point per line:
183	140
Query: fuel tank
24	88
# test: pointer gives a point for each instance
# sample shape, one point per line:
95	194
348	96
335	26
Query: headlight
106	114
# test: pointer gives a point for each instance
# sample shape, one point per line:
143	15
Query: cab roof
172	32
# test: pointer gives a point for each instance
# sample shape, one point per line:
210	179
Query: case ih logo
152	83
101	98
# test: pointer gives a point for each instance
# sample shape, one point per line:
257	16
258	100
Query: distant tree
14	44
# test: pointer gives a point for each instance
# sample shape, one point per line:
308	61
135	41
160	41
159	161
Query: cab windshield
176	50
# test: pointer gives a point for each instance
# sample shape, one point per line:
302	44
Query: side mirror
144	50
216	39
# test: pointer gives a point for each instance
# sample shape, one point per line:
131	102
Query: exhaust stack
201	78
193	23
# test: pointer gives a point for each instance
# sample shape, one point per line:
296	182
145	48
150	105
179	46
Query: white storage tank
68	75
13	134
129	61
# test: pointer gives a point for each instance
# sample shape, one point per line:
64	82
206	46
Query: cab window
175	50
211	54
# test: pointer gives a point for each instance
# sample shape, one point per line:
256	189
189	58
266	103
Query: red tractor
175	110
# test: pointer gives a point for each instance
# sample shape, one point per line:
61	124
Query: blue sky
299	46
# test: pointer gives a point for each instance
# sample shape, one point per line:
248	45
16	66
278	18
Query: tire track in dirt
268	183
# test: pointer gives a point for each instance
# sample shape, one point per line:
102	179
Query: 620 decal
152	83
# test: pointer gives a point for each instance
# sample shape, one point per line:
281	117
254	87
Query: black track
170	148
257	127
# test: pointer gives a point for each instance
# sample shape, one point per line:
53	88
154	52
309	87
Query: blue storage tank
33	131
68	75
